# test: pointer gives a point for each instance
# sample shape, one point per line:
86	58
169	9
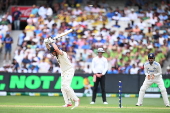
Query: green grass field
45	104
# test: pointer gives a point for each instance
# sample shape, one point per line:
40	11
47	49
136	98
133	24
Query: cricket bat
63	34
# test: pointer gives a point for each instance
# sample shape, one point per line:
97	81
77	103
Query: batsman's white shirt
154	69
64	62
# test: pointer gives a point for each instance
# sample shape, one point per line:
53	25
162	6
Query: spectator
43	66
77	11
34	10
128	28
15	66
42	11
1	43
136	29
141	25
8	16
112	71
56	69
116	25
16	15
4	21
88	69
49	12
3	69
32	20
8	46
133	16
88	7
138	37
163	17
21	38
110	14
19	55
116	17
26	61
168	70
134	69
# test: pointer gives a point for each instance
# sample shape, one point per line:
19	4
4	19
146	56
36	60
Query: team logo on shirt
150	70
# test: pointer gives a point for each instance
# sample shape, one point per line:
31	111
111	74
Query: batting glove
51	40
46	41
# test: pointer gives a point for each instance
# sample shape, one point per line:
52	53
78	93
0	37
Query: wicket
120	94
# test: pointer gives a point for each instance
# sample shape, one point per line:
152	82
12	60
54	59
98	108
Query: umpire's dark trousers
102	84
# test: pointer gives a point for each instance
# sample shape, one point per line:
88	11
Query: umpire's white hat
101	50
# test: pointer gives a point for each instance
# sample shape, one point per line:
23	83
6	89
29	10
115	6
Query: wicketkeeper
153	74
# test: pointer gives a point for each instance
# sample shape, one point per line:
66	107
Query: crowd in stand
127	35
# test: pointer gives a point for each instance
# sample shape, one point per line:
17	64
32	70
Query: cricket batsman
66	74
153	74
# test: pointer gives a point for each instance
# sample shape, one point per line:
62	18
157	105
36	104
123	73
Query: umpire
99	67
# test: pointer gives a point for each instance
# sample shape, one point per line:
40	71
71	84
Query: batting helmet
151	56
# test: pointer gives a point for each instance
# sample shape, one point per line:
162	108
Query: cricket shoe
138	104
67	105
105	103
77	103
92	102
168	105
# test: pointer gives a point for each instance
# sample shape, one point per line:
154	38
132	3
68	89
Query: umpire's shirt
99	65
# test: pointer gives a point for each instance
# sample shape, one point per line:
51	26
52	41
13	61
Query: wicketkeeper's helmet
151	56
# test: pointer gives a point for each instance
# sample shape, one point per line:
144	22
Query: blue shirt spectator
163	17
121	36
53	35
127	68
86	46
34	10
91	40
157	44
16	14
137	37
110	14
112	71
41	46
8	41
37	31
21	38
165	36
129	36
103	40
26	60
117	26
168	42
75	46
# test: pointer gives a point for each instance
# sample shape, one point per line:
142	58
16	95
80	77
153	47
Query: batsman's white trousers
158	80
67	91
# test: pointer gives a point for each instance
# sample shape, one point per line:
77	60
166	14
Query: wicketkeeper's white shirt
64	62
155	69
